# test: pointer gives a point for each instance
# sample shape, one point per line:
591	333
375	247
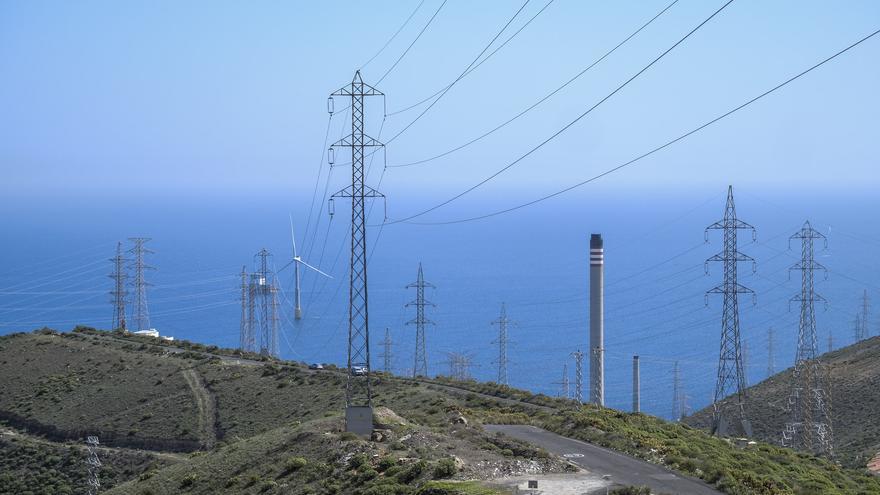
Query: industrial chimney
597	320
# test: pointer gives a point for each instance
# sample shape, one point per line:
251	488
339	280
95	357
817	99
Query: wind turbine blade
315	269
292	237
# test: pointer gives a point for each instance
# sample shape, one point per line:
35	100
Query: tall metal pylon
386	351
564	385
459	365
420	368
119	293
503	322
771	362
263	295
246	340
94	466
578	376
863	324
358	391
810	425
679	406
141	311
731	376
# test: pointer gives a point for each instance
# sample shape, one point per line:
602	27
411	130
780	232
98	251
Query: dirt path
205	404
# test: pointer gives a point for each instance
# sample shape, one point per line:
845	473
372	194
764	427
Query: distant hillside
215	421
855	391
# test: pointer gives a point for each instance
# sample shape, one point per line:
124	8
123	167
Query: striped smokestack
597	320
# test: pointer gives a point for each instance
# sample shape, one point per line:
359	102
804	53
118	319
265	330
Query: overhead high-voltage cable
474	61
411	44
540	101
573	122
625	164
419	6
487	57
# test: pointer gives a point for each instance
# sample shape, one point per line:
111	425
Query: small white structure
153	333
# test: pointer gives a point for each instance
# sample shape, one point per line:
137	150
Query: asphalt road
623	470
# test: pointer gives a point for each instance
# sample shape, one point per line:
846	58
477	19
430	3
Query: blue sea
56	251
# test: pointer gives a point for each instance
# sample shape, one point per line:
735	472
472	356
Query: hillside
215	421
855	395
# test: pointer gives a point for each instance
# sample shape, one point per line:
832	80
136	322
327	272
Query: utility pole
809	403
771	365
246	330
119	276
502	323
358	390
94	466
678	408
578	376
386	354
141	312
420	321
731	376
637	406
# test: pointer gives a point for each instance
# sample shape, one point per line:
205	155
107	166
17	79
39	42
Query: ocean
56	251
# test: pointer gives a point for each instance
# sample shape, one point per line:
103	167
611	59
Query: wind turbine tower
296	262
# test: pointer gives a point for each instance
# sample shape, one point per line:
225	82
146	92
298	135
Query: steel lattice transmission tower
578	376
503	323
386	351
679	400
771	363
863	322
358	392
141	311
731	376
420	368
564	391
119	293
459	366
810	425
262	306
246	340
94	466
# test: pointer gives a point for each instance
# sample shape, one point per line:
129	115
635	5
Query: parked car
316	366
358	370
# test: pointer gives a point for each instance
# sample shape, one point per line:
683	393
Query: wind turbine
296	261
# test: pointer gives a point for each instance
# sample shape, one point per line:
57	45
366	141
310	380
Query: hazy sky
111	98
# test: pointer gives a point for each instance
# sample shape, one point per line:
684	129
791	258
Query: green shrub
445	468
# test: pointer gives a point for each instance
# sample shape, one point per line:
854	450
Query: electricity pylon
386	354
420	368
863	324
731	376
119	276
564	391
263	306
94	465
503	322
246	341
679	407
459	366
578	376
141	311
810	425
771	364
358	391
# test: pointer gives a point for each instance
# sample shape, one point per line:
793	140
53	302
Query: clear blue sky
164	97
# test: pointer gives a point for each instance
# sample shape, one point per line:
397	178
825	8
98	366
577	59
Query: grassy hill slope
855	376
266	426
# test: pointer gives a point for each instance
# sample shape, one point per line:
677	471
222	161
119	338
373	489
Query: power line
411	44
487	57
542	100
419	6
567	126
460	75
629	162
